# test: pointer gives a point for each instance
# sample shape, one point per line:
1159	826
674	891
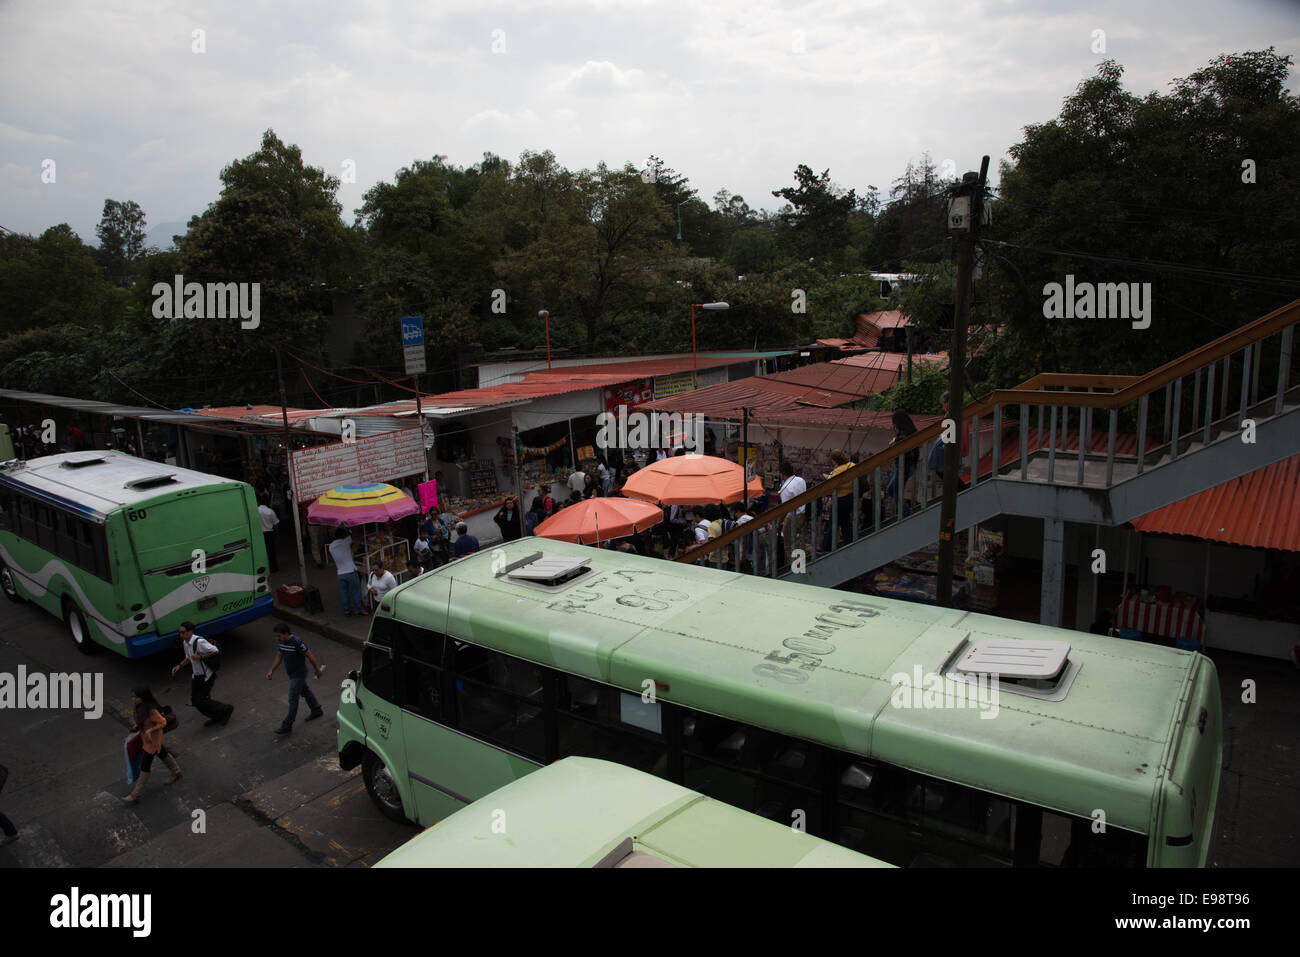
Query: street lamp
547	317
713	306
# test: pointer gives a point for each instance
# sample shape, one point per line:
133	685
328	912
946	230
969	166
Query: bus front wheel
382	788
78	630
8	585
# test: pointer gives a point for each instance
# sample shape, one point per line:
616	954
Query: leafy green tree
276	223
1156	179
121	233
817	216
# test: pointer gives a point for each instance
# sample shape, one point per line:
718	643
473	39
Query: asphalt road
263	799
281	801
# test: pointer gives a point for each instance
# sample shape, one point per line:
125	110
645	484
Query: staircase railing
1173	408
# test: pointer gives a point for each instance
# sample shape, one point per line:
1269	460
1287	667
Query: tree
121	233
276	224
1155	179
597	244
817	216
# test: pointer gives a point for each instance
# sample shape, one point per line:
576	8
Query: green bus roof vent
548	573
82	463
1035	668
151	481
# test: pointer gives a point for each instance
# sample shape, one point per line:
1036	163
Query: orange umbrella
691	480
600	519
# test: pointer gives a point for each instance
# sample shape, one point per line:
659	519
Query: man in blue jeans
293	652
349	584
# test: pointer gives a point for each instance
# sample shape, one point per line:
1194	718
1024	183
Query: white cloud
717	88
15	135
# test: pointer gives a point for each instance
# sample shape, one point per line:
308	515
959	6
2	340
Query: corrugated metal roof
890	360
645	368
1260	510
216	420
728	400
885	319
837	418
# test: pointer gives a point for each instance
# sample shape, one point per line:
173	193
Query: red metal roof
644	368
1260	510
885	319
727	400
259	413
836	418
890	360
855	380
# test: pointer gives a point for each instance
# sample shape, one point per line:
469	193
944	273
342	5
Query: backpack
212	661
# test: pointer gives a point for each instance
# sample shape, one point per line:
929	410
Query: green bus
1040	746
124	549
581	812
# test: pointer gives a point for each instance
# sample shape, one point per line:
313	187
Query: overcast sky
732	93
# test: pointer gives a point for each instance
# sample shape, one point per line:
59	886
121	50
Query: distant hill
161	235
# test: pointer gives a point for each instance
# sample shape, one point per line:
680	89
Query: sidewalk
330	622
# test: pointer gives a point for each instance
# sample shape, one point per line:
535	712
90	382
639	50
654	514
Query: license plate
205	603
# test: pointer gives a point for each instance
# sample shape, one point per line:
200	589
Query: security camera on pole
966	212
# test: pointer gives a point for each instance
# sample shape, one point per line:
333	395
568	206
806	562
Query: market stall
373	507
1163	613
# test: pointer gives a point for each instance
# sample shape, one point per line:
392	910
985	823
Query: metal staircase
1199	421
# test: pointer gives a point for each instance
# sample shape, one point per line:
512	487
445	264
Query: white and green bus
124	549
791	702
581	812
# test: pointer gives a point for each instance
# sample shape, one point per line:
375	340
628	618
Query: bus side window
102	566
6	500
377	672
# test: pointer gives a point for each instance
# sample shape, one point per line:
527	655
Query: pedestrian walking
197	648
150	723
294	653
349	584
270	522
6	826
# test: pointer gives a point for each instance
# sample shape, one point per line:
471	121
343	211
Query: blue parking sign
412	330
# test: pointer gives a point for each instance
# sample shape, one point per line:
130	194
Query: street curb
295	617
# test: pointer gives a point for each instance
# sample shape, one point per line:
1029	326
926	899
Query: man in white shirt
349	585
196	648
381	583
791	486
578	482
270	522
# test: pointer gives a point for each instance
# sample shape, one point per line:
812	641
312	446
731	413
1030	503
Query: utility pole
965	210
419	417
744	457
288	467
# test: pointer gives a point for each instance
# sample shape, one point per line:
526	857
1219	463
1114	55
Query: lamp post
712	306
547	317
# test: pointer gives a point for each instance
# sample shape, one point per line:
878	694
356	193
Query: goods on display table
387	544
892	582
467	506
482	478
